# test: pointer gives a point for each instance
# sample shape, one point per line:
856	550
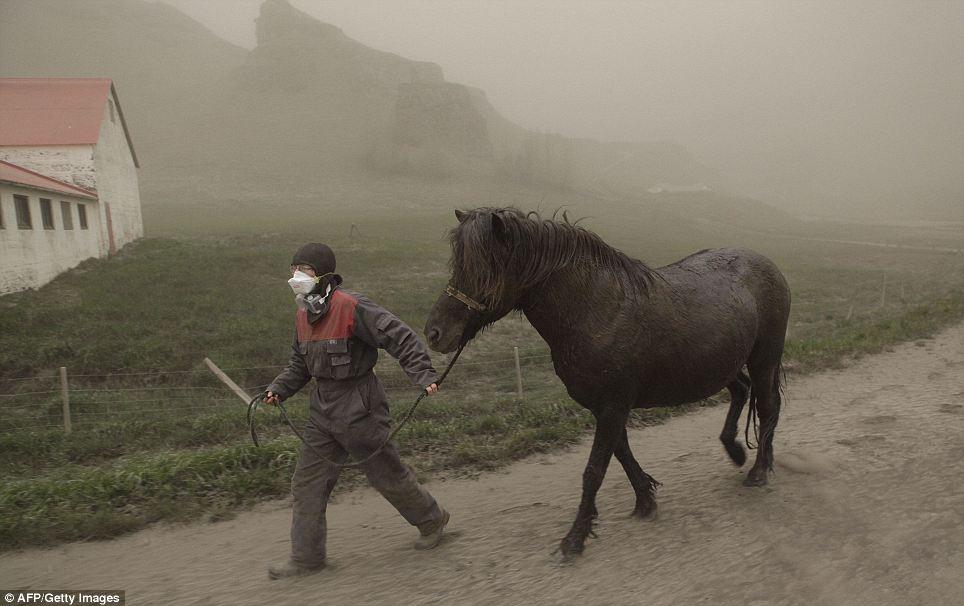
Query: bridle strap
465	299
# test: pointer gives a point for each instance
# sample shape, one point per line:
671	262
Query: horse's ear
499	228
461	215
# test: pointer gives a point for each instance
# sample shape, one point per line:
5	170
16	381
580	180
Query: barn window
46	213
82	211
22	205
66	215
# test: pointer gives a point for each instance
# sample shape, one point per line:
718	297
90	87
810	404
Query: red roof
55	111
18	175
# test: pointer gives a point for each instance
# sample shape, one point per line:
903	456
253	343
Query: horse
623	335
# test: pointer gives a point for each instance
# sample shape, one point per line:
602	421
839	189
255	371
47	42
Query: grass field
156	437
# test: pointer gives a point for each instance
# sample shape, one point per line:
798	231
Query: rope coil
258	399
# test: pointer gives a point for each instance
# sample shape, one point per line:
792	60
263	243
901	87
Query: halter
465	299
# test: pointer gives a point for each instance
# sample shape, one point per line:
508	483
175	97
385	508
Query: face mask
302	283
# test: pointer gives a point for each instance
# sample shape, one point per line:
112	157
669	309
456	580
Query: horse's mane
537	247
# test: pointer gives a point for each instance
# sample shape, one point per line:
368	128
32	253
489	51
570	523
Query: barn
68	177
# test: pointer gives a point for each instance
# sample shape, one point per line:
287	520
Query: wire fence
81	401
74	402
828	302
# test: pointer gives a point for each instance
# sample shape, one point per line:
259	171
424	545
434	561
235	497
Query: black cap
319	256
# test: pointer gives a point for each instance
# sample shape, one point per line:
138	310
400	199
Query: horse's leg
643	483
609	425
739	390
766	397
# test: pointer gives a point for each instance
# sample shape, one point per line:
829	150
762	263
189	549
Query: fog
816	104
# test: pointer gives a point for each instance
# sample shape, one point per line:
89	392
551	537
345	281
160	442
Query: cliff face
297	52
401	115
312	99
436	130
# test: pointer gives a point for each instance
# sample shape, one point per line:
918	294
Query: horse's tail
751	420
751	417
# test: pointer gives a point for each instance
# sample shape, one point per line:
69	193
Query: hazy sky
873	89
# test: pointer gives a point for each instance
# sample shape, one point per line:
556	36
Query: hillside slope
308	112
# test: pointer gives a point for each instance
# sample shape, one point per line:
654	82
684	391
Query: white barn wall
117	180
108	168
29	258
67	163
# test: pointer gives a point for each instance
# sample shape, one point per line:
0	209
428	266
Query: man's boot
431	534
292	569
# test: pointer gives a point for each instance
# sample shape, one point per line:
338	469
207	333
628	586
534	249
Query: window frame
82	215
22	208
47	214
66	215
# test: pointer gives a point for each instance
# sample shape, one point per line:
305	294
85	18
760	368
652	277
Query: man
337	337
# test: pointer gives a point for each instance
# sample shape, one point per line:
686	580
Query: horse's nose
433	335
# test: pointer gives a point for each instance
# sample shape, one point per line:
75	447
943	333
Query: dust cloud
849	107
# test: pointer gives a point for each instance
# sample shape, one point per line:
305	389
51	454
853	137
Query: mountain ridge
306	107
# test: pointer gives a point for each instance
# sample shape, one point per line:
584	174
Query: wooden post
227	380
65	395
883	290
518	372
850	312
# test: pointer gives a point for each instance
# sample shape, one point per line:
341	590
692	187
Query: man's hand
272	398
432	389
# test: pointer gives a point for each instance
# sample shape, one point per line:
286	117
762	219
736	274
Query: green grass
81	502
97	502
73	501
872	335
170	443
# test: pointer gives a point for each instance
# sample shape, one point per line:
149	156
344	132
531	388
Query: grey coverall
348	413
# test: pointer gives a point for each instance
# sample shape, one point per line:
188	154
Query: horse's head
481	289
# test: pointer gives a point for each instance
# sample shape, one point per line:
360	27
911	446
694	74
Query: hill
309	114
166	67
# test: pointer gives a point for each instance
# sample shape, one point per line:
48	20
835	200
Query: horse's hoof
736	452
755	480
571	547
645	510
559	559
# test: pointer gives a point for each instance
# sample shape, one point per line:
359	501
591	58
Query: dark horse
623	335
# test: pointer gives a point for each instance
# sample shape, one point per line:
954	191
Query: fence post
65	394
227	380
883	290
518	371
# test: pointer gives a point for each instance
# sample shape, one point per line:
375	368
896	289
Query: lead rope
258	399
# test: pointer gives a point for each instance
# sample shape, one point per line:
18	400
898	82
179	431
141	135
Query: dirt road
866	507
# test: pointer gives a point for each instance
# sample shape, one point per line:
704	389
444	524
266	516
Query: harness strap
464	298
